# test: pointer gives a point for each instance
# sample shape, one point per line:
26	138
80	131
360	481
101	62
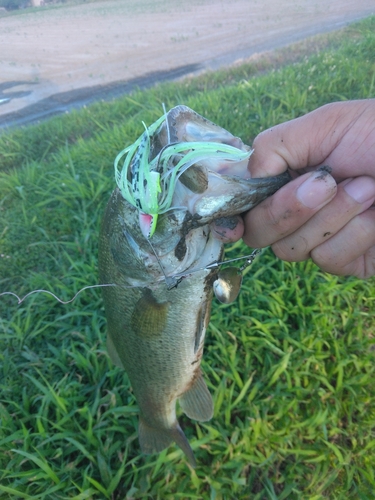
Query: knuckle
288	252
280	221
330	261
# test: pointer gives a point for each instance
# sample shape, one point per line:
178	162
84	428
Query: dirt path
60	56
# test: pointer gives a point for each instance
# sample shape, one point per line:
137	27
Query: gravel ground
67	56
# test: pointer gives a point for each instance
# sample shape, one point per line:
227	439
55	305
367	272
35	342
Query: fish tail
183	443
154	440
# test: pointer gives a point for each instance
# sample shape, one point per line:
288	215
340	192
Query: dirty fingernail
228	229
316	190
361	189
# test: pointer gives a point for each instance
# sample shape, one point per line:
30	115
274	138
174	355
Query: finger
228	229
313	139
296	144
288	209
352	250
353	197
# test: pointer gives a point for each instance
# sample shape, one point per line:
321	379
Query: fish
157	246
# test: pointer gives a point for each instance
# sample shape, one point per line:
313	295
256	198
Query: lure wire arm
249	260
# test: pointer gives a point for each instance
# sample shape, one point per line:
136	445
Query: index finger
288	209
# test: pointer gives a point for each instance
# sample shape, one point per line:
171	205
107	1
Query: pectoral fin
197	402
203	318
154	440
149	316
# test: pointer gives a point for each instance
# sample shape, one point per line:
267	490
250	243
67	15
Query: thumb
303	143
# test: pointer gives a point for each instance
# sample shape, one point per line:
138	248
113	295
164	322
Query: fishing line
53	295
171	281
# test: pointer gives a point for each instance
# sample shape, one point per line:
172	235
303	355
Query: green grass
291	364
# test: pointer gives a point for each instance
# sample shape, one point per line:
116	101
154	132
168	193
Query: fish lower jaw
208	206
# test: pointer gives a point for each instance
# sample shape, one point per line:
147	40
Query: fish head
182	174
184	162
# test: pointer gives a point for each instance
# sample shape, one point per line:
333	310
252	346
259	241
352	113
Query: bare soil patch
59	55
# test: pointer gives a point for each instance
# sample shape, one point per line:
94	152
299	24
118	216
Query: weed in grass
290	365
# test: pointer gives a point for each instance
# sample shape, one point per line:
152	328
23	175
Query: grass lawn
291	364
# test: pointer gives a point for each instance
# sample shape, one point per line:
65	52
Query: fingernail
361	189
316	190
227	222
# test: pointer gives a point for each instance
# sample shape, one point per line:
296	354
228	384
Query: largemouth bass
181	175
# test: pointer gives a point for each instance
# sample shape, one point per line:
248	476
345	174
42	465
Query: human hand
330	218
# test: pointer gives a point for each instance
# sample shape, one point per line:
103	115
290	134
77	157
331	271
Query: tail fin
153	440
